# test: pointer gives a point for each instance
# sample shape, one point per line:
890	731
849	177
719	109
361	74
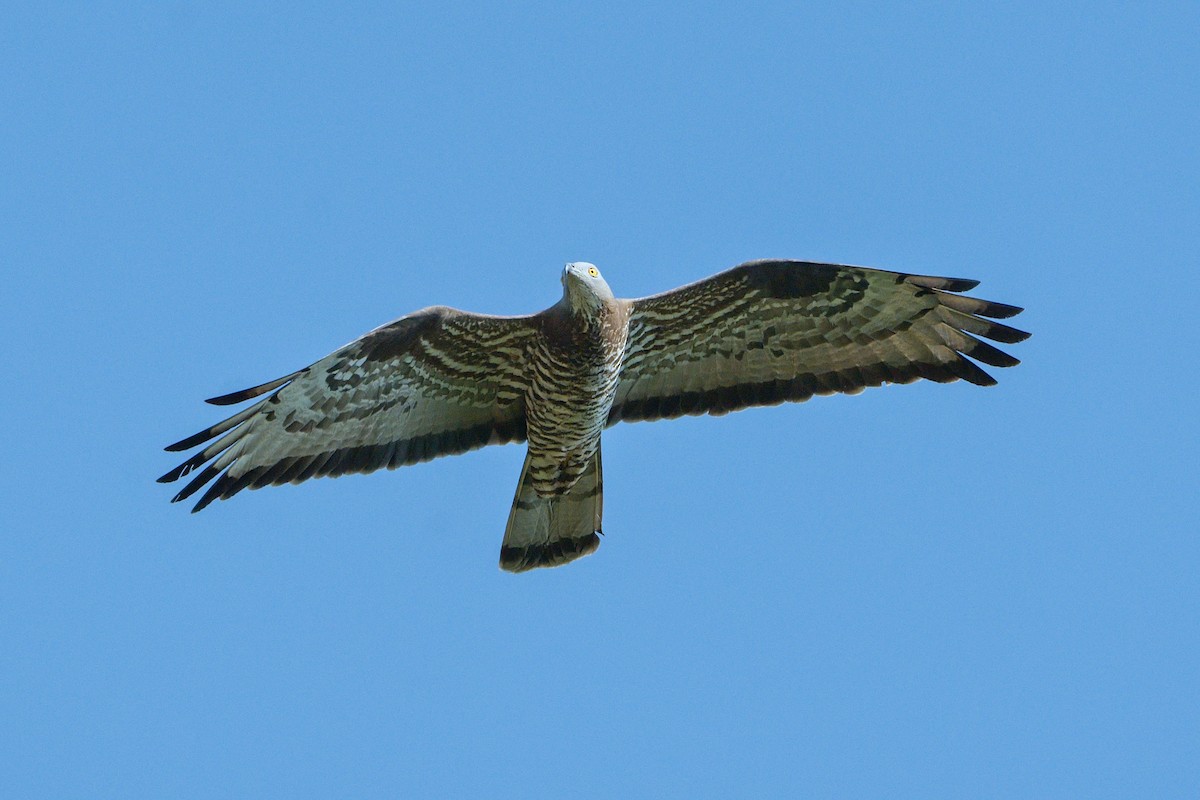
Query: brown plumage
442	381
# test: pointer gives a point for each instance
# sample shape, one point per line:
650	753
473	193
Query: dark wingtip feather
982	351
224	400
1017	334
973	305
190	442
253	391
204	477
960	284
203	503
969	323
213	431
938	373
1000	310
183	469
232	398
971	372
1003	333
214	491
945	284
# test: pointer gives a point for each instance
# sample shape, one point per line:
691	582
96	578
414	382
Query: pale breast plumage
442	381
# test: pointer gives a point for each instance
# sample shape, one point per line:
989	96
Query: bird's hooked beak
573	282
568	272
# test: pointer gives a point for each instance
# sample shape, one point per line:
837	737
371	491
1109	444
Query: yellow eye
595	273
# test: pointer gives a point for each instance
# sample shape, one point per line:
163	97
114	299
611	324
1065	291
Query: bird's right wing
434	383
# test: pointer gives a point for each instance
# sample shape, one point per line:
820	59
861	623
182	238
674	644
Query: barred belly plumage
571	389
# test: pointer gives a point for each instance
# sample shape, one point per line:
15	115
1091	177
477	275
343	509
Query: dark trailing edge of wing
964	315
723	400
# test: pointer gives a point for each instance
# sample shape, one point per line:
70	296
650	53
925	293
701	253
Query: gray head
584	288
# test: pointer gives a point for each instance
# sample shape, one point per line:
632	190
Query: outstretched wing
434	383
769	331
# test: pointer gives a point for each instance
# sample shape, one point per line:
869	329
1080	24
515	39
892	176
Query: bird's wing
434	383
769	331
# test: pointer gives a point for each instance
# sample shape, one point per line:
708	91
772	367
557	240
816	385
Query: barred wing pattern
436	382
769	331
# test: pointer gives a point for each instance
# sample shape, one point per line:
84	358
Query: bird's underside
440	381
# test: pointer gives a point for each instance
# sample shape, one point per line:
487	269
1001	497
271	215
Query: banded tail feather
549	531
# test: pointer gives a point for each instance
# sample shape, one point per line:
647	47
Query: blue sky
933	591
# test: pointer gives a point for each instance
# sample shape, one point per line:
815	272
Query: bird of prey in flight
441	381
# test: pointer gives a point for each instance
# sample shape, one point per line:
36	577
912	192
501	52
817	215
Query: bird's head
584	288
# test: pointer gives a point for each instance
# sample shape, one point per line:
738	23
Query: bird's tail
548	531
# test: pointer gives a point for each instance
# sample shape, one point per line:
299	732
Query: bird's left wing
434	383
769	331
